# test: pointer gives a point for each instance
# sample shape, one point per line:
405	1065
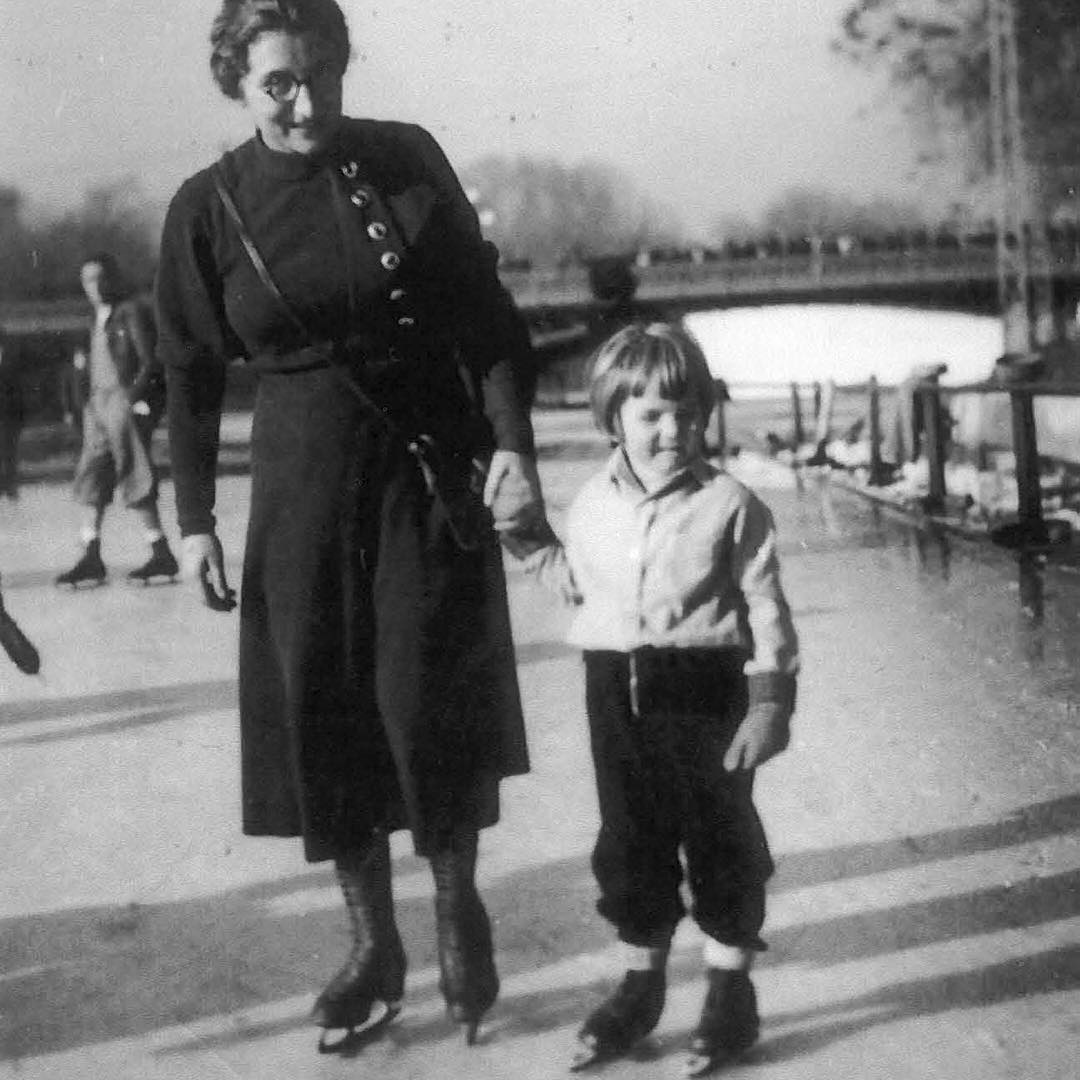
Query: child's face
661	436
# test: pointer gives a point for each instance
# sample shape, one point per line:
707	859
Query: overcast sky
712	106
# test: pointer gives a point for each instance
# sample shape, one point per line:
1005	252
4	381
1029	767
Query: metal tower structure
1023	257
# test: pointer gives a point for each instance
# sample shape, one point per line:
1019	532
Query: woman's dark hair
240	22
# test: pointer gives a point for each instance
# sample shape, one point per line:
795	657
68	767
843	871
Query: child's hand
763	733
766	728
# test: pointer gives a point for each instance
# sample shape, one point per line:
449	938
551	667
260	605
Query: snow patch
848	343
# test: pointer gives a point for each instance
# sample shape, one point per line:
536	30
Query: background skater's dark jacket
132	338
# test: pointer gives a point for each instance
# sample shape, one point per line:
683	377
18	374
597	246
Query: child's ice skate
728	1025
623	1020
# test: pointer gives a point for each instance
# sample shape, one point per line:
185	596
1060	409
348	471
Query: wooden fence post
878	473
798	436
1025	448
934	436
825	415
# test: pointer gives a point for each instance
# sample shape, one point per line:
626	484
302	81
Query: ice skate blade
354	1039
85	585
702	1064
591	1055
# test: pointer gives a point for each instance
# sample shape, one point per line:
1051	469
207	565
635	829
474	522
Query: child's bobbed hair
631	358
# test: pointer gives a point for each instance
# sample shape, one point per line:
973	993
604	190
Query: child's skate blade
697	1063
591	1053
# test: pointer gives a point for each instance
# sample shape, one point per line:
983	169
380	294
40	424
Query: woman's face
293	91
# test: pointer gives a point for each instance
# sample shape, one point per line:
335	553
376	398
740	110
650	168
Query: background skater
12	415
125	401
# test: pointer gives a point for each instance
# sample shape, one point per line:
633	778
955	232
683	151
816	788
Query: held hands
512	487
204	561
512	492
140	408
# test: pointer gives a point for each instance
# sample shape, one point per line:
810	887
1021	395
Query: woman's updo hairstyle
240	22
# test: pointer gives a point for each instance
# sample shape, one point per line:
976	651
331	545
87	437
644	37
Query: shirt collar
698	473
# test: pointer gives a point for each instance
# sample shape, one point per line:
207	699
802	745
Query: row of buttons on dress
378	232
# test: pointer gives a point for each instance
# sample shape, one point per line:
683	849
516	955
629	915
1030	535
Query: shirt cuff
772	687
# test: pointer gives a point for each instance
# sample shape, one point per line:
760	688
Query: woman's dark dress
377	681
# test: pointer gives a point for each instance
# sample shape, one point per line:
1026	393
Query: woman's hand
204	561
517	506
512	491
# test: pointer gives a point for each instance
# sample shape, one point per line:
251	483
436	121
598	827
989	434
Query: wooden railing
1025	443
934	434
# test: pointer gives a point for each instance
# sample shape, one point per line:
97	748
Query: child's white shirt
692	564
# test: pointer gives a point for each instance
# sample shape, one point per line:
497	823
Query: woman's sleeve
494	337
194	344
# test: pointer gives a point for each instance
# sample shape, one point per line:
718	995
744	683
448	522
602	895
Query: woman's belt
361	354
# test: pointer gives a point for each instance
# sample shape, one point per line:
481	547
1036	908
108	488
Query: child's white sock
727	957
644	957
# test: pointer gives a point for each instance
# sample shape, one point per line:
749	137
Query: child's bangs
663	362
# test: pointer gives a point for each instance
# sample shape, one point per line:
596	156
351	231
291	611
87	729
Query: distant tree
809	211
42	261
937	53
13	235
542	210
735	227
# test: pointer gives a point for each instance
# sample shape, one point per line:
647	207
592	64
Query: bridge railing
554	288
789	272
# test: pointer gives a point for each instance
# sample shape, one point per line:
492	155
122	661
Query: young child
690	663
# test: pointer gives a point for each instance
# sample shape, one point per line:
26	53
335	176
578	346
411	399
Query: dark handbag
458	487
455	481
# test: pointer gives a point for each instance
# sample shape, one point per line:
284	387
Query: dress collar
281	165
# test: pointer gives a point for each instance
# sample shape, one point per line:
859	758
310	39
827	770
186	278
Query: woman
377	683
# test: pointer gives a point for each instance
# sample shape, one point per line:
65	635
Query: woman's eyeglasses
284	87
